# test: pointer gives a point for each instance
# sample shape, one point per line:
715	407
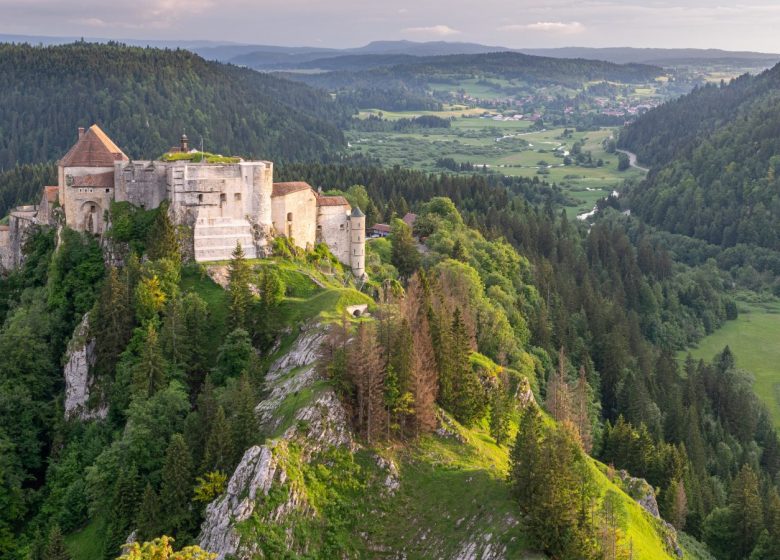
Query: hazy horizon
748	26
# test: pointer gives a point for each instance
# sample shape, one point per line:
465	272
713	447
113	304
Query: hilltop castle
224	201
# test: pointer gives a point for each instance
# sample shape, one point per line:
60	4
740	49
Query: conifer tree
677	501
239	293
367	377
219	445
558	394
55	546
581	411
745	503
405	256
112	322
468	403
768	547
176	490
500	410
162	241
148	521
243	422
124	503
196	321
150	374
525	458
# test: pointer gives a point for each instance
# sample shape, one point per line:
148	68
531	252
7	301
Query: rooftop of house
93	149
384	228
331	201
283	189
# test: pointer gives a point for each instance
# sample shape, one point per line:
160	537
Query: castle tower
86	179
357	242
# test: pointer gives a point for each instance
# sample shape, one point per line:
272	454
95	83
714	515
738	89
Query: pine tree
123	509
558	394
745	503
768	547
148	520
55	546
469	401
423	382
404	256
239	293
500	410
243	422
367	377
111	323
581	411
176	489
525	458
196	321
162	241
150	373
219	445
678	504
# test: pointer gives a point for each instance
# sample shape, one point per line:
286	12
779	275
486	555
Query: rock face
315	426
78	381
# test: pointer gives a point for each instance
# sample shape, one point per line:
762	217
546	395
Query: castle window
289	216
341	226
200	198
92	208
237	196
108	190
222	197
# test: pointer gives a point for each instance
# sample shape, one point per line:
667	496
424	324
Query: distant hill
145	98
405	85
669	57
716	162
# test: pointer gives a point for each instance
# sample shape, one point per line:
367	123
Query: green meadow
754	338
508	147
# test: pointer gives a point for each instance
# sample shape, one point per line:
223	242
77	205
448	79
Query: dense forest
408	82
148	97
715	156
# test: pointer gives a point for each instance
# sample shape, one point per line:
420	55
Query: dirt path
632	160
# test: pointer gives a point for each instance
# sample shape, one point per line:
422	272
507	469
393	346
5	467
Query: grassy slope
753	340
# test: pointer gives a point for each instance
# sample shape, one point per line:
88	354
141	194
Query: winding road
632	160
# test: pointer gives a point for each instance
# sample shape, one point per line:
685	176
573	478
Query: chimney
81	132
185	143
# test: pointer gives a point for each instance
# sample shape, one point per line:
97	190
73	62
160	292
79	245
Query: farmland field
753	339
510	147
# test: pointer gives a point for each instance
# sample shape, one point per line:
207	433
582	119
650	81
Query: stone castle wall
295	216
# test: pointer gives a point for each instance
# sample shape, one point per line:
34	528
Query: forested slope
716	158
148	97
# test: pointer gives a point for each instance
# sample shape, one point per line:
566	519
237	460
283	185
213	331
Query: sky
750	25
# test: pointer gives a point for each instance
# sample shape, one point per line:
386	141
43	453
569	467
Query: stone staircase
215	239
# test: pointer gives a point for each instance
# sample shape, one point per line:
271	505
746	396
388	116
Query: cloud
439	30
553	27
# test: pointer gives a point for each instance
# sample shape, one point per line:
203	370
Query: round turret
357	242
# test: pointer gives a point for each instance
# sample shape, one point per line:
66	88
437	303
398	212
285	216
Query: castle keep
223	203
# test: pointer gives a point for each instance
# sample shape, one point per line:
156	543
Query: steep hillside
715	157
147	97
315	487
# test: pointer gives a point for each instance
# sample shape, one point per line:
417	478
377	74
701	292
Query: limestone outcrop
316	426
78	379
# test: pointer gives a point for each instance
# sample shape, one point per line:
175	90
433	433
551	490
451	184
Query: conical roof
356	213
93	149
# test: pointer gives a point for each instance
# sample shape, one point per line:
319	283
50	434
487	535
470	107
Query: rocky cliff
80	358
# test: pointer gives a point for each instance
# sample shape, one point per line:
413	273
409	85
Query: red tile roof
97	180
5	228
384	228
283	189
51	193
93	149
332	201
